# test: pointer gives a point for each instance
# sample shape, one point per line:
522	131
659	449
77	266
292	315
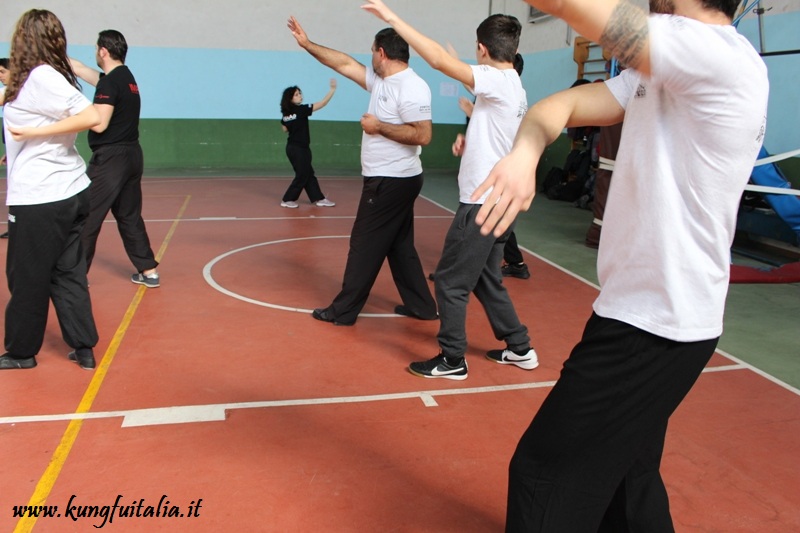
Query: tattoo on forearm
626	33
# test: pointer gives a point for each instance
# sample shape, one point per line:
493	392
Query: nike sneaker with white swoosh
526	359
438	367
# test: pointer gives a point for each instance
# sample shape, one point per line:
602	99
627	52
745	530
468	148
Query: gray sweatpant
471	263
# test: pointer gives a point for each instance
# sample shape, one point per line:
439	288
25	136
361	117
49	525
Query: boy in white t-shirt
470	262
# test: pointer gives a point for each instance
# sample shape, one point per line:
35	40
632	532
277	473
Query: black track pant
45	261
384	229
116	174
590	459
304	177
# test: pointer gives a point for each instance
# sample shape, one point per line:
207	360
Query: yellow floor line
48	479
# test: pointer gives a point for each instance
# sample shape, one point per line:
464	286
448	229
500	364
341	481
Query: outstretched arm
87	74
327	98
513	178
338	61
618	25
431	51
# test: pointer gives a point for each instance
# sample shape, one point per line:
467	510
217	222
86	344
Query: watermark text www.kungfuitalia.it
122	508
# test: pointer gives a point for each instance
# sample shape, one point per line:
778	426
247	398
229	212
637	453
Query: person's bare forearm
416	134
338	61
87	74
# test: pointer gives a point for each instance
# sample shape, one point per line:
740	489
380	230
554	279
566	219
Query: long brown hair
39	39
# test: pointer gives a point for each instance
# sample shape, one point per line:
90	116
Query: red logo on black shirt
134	88
101	97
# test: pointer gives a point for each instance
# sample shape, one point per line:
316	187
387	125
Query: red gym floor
217	398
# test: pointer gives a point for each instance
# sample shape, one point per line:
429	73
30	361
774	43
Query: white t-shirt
398	99
691	134
500	104
44	169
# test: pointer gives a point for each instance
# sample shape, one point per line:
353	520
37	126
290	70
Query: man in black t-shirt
117	162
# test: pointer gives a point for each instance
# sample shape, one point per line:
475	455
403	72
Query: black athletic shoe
438	367
7	362
515	271
526	360
324	314
84	357
4	235
405	311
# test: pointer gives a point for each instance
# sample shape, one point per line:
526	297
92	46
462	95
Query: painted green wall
252	144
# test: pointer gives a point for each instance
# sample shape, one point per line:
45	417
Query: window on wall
536	15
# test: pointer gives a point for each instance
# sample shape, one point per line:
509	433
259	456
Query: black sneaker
526	360
84	357
438	367
8	362
515	271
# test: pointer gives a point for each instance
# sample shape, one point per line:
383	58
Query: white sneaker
325	203
527	361
290	205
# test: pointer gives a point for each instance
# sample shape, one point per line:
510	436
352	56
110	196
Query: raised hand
297	32
379	9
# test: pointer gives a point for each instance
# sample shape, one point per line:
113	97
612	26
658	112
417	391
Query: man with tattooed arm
694	107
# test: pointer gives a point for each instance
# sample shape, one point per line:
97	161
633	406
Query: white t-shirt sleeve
486	81
63	100
623	87
415	101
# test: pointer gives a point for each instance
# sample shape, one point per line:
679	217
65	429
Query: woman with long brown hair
48	199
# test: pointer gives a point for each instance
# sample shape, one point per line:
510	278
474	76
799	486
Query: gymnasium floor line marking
183	414
209	278
738	361
534	254
62	451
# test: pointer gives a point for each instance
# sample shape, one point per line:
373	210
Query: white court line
534	254
213	283
186	414
217	412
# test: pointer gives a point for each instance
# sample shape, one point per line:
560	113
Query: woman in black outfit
298	146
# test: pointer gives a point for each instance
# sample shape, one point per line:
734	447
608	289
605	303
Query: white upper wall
251	25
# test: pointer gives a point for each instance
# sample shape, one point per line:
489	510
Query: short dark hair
726	6
500	35
115	43
286	99
4	62
394	46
